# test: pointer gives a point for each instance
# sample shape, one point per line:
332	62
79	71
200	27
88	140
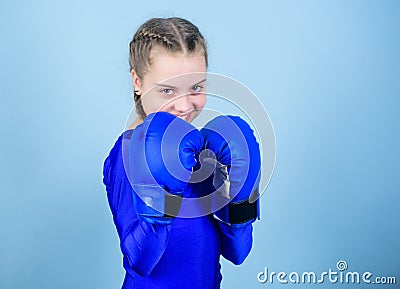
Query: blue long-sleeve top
184	254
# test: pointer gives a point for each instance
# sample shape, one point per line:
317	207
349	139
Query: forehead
176	68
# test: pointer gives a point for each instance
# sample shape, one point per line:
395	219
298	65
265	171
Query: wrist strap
155	202
241	212
172	205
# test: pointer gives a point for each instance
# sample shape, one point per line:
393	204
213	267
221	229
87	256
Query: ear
137	82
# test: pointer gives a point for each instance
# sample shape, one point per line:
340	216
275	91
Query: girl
160	249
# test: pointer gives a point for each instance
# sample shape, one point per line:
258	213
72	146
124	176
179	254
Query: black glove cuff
172	205
244	211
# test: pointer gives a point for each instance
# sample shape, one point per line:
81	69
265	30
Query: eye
197	88
168	91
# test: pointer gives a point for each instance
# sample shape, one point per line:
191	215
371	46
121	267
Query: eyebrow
171	86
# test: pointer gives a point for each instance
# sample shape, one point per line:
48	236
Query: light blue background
328	73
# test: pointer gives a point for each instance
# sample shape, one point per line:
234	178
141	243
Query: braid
148	36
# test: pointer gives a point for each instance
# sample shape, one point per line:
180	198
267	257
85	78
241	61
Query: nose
182	104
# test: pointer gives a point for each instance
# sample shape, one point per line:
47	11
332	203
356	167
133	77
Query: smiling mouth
185	116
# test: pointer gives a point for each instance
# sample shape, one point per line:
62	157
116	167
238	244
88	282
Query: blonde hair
171	34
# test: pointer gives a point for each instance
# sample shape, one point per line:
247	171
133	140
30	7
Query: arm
144	195
142	243
234	183
236	241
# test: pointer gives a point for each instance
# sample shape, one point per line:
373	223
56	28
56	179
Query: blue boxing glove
237	173
161	157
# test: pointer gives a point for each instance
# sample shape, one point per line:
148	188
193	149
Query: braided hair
172	34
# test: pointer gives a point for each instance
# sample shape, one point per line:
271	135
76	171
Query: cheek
199	101
152	103
146	104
